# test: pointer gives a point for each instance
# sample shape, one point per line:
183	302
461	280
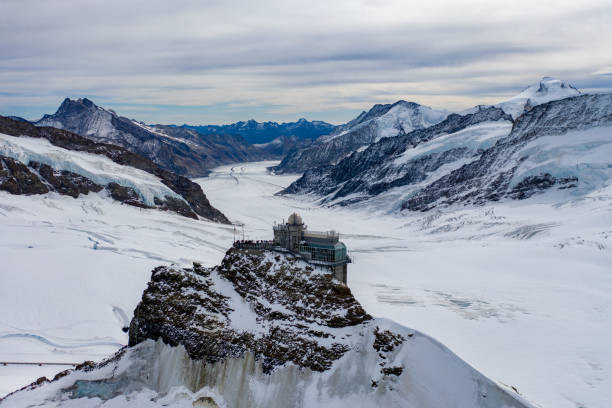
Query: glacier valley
520	290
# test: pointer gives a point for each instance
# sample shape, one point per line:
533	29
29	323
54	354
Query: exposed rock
16	178
257	331
185	307
190	191
373	170
126	195
65	182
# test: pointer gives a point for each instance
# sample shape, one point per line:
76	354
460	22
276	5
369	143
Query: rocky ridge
377	169
381	121
180	150
195	204
474	158
498	172
263	132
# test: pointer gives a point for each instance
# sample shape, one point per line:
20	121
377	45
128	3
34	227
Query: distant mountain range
264	132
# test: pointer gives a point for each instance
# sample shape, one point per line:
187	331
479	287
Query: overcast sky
203	62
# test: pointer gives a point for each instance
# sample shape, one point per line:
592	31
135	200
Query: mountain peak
546	90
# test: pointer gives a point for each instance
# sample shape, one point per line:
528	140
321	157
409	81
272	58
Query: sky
214	62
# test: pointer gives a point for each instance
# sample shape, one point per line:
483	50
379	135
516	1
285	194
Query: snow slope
548	89
519	290
97	168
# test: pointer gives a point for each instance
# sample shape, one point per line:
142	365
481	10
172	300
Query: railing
248	244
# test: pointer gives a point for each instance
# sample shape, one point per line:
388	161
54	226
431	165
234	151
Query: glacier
519	290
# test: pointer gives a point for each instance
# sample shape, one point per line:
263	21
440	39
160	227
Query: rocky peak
282	310
546	90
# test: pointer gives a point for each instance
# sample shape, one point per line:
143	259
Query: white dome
295	219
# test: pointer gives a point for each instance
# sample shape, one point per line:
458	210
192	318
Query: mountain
548	89
37	160
405	161
264	132
266	329
380	121
561	145
180	150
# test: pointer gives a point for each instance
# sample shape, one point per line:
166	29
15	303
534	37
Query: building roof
295	219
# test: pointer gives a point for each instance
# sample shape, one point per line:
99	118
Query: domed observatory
319	248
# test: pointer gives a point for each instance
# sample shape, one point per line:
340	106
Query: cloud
213	61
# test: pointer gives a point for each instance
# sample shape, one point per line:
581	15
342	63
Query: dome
295	219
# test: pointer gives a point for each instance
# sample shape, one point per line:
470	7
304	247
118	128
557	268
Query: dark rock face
16	178
390	119
184	306
190	191
177	149
126	195
65	182
38	178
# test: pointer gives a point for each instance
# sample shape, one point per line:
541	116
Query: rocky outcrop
191	192
185	307
65	182
16	178
381	121
38	178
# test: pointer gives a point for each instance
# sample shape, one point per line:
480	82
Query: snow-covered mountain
381	121
37	160
266	329
178	149
548	89
263	132
562	145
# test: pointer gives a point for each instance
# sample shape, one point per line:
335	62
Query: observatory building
318	248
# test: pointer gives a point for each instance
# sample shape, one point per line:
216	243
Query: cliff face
195	202
264	329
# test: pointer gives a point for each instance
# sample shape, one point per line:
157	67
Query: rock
184	306
65	182
16	178
190	191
